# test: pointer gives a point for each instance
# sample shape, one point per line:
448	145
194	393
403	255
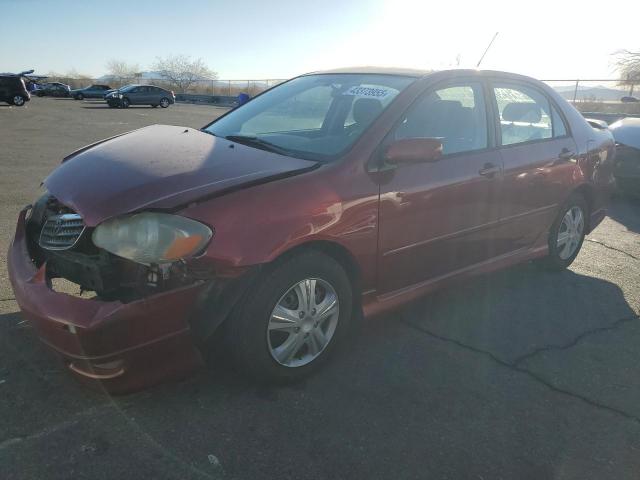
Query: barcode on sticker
374	92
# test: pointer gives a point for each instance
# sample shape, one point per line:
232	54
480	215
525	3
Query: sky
258	39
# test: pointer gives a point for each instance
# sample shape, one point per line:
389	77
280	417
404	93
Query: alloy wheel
18	100
303	322
570	232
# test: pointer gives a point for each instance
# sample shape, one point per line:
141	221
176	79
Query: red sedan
333	195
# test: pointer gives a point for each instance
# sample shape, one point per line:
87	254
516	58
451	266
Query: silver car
140	95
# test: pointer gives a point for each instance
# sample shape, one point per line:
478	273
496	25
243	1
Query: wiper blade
257	143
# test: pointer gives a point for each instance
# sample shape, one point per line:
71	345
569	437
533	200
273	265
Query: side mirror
413	150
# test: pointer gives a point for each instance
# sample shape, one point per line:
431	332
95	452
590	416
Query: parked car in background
114	91
140	95
629	100
92	91
331	196
13	90
52	89
627	163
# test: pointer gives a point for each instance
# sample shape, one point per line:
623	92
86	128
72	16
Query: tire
570	224
259	343
164	102
79	97
125	102
18	100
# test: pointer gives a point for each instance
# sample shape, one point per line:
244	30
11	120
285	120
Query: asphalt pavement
522	374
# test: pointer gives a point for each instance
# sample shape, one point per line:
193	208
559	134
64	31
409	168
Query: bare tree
627	63
121	71
180	71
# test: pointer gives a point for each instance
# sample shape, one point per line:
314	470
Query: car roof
409	72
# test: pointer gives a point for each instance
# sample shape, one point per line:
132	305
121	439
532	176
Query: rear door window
525	114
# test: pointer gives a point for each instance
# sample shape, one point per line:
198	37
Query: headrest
528	112
365	110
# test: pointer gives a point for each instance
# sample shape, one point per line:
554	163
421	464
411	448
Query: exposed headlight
152	237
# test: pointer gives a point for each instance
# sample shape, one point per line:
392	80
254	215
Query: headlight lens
152	237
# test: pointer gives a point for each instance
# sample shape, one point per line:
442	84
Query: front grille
61	232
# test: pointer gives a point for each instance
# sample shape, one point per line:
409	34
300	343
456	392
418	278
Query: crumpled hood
627	131
160	167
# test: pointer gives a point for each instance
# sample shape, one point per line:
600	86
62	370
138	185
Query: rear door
538	154
4	90
156	94
440	217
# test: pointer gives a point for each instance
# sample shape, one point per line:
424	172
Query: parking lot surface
523	374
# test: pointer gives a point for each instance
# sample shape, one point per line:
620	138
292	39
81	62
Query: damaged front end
141	323
57	237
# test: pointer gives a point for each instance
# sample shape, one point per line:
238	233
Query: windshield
315	116
126	88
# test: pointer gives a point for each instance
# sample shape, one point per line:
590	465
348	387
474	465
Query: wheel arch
588	192
335	250
207	320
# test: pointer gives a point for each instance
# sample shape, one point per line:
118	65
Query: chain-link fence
198	87
599	95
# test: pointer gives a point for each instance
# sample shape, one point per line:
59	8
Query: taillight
173	94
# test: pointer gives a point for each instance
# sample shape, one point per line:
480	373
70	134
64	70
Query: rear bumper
119	347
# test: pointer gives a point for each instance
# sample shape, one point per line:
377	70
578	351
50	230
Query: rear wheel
164	102
18	100
293	319
567	233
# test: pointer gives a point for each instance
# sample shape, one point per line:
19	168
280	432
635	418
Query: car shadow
508	313
624	210
516	311
406	378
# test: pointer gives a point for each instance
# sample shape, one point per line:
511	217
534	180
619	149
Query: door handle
566	154
489	170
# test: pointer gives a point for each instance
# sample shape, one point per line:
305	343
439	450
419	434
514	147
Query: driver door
439	218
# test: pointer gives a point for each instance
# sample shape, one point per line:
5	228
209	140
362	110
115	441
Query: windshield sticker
372	92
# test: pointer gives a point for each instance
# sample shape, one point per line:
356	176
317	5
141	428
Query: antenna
487	49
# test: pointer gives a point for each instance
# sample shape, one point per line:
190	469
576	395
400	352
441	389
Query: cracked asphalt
523	374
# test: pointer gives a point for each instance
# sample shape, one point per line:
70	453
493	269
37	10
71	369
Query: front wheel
567	233
292	320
